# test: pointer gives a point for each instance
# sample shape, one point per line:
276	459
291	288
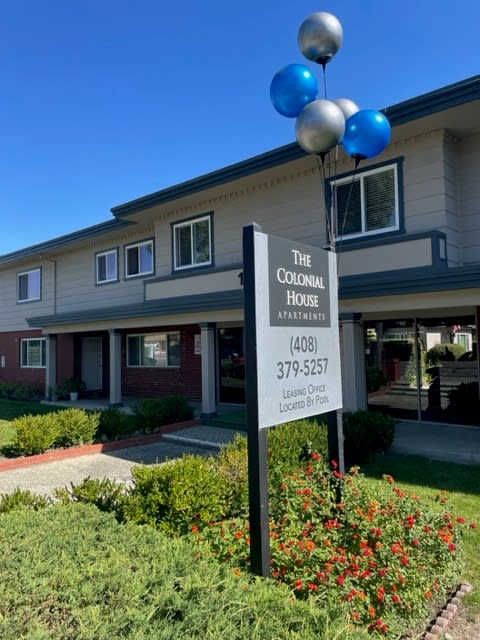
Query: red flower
452	547
298	585
341	580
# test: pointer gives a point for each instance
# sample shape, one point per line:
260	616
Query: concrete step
204	436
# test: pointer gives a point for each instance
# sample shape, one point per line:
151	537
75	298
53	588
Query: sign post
292	354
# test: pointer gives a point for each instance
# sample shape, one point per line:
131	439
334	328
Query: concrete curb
88	449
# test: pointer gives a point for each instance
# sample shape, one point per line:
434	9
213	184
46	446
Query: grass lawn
427	478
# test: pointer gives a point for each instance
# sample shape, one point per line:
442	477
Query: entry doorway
231	365
92	362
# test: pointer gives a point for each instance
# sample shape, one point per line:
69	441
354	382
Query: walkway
460	444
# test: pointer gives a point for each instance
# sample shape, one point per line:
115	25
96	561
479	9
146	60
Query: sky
105	101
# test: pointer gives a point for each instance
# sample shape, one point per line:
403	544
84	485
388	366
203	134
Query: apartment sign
297	339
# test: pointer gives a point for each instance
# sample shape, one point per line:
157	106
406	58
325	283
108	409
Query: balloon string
330	231
354	176
324	81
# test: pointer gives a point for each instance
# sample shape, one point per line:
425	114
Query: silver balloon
347	106
320	126
320	37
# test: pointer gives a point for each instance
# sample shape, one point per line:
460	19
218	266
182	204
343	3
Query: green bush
152	413
232	464
105	494
443	353
148	415
19	391
83	576
178	494
176	408
34	434
366	433
21	499
114	424
287	442
74	427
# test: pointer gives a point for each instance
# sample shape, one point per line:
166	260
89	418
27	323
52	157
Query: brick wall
159	382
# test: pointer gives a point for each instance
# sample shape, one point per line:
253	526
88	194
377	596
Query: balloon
320	37
292	88
367	133
320	126
347	106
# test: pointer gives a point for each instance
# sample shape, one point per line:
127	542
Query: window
366	203
154	350
139	259
107	266
192	243
33	352
28	285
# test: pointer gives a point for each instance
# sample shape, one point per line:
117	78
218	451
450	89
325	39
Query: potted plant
73	386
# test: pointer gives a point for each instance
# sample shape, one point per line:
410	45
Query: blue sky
105	101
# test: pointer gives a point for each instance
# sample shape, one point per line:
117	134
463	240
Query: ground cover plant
73	573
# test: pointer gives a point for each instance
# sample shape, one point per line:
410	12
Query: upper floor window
366	203
107	266
28	285
192	243
33	352
139	259
154	350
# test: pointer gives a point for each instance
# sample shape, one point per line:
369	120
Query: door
231	365
92	363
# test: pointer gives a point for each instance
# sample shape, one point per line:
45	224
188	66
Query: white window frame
337	216
161	335
43	353
138	245
190	224
105	255
30	295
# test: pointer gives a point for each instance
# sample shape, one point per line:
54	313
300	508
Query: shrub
148	415
23	500
19	391
113	424
287	442
176	408
105	494
74	427
85	576
379	550
442	353
232	464
34	434
152	413
366	433
178	494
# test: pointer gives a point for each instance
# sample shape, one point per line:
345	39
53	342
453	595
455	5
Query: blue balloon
292	88
367	133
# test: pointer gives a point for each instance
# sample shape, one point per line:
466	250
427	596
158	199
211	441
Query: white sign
298	351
